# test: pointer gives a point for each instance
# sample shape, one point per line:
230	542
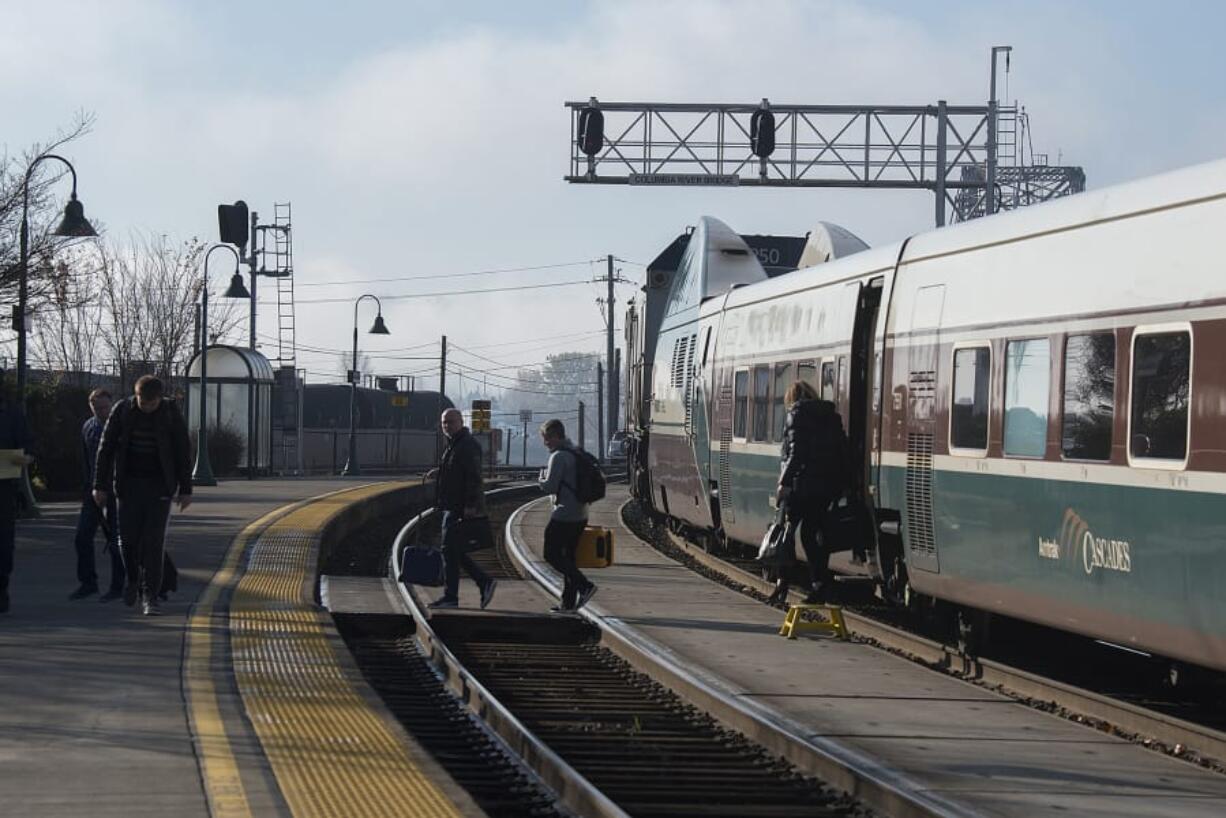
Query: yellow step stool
793	624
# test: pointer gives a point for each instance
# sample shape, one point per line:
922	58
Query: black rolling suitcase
422	565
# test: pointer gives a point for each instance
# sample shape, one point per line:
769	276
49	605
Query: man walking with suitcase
460	496
144	459
569	517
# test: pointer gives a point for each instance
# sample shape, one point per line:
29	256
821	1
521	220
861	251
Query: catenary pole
610	366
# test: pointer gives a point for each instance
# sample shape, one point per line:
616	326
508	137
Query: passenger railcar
1036	401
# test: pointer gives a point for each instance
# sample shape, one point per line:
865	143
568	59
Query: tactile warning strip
331	754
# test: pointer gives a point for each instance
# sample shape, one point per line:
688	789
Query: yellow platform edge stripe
330	753
223	786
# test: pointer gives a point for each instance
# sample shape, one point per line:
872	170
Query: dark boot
780	594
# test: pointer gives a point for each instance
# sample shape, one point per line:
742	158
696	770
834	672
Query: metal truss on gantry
957	151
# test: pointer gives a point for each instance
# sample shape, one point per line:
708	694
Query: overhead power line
435	276
408	296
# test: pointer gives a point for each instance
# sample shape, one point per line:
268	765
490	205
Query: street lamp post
202	475
352	467
74	224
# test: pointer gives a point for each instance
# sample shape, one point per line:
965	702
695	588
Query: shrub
225	449
56	414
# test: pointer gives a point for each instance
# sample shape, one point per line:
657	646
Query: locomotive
1034	402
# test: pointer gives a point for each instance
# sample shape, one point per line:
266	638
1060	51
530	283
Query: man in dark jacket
813	472
15	437
144	459
460	496
91	515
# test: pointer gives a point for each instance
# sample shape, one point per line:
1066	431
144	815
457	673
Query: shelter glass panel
740	403
968	423
1089	396
1027	389
783	379
761	402
1161	365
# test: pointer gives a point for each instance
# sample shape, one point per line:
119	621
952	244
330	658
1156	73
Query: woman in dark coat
812	477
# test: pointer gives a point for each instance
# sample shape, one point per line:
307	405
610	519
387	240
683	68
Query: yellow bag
595	548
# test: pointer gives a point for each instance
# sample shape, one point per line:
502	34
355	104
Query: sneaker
487	593
584	595
151	608
129	595
443	602
114	593
86	589
561	609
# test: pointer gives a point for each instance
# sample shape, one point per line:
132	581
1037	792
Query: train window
761	402
1089	396
827	392
783	379
807	371
1027	389
740	403
842	376
968	415
1161	365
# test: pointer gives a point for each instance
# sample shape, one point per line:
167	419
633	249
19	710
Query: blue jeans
561	543
88	522
454	558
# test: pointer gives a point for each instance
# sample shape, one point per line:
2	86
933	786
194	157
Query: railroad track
567	726
1162	731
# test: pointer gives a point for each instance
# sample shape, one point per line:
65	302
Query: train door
923	356
861	380
697	420
721	431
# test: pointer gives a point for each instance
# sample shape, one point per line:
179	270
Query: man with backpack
574	479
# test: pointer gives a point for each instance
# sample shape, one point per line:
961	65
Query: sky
417	138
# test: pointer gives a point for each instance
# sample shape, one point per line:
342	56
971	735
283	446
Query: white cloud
446	155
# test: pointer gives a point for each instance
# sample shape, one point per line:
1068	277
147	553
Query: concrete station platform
964	747
240	700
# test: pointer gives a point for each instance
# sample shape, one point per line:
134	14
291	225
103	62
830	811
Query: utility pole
525	453
581	437
510	430
610	366
442	388
599	413
615	386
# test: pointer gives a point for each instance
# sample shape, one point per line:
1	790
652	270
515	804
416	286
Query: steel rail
1125	716
574	791
861	777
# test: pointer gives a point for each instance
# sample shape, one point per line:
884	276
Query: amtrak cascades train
1036	402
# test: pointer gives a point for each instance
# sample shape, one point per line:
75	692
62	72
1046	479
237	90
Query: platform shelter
239	395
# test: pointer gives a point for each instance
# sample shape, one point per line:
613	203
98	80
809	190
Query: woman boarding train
812	477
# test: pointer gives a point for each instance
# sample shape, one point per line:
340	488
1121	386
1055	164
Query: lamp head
237	289
74	223
379	327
